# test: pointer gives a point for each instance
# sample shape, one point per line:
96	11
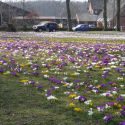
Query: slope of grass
22	104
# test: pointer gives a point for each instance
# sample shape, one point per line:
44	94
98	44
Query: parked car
46	26
92	26
81	27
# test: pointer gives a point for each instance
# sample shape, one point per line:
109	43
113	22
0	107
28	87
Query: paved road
95	35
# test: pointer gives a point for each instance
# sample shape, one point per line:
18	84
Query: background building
96	7
8	12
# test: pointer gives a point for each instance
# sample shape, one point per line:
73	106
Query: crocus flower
82	99
77	109
72	95
123	113
90	112
100	108
119	98
122	123
123	107
51	97
88	102
71	105
1	70
107	118
39	87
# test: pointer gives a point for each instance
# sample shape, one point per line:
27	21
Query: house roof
82	17
87	17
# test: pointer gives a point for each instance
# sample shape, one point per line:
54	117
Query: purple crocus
110	103
1	70
105	74
32	82
14	73
76	81
110	83
39	87
123	113
82	99
55	80
122	123
119	98
107	118
123	107
35	73
118	69
106	59
49	92
101	108
103	85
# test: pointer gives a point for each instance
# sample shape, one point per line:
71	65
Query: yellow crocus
71	105
77	109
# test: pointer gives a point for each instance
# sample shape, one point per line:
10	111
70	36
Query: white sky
34	0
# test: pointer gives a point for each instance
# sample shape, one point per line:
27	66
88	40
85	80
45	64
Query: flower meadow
87	77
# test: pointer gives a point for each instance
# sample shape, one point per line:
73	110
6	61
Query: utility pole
69	15
105	14
118	14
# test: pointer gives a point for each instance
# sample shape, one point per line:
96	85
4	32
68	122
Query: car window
42	23
51	24
82	26
78	25
85	25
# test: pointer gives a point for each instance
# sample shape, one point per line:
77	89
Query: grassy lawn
62	81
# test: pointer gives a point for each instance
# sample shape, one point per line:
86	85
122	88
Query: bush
101	29
96	29
11	28
25	28
62	29
3	27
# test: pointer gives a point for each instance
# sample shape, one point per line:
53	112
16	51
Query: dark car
46	26
81	27
92	26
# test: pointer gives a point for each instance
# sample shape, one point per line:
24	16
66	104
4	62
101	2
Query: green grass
21	105
25	105
85	40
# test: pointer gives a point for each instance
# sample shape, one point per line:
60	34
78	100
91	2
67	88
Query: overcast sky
34	0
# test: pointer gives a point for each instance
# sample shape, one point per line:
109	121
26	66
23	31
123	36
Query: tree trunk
118	14
69	15
105	14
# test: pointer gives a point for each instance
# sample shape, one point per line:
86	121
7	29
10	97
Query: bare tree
1	14
118	14
69	15
105	14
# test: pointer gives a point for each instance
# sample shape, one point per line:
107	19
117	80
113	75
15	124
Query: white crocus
51	97
114	92
90	112
123	95
106	106
46	76
122	86
76	98
88	102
